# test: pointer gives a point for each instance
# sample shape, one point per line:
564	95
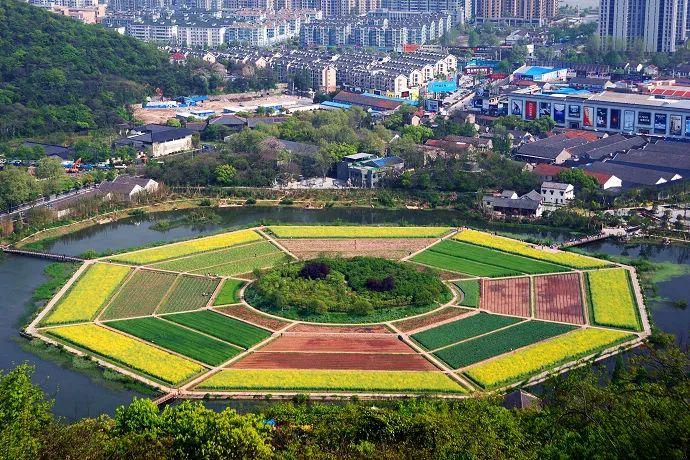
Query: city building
158	140
537	12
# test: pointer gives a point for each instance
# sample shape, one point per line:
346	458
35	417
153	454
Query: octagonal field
372	311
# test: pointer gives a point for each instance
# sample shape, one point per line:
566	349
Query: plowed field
559	298
338	343
245	313
315	328
391	248
506	296
335	361
444	314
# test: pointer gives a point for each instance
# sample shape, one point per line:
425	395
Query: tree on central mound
357	286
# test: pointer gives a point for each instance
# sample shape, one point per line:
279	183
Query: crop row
612	300
189	293
88	294
460	265
470	292
568	259
140	295
337	231
178	339
221	327
246	265
500	342
462	329
223	256
132	353
185	248
544	355
332	380
229	293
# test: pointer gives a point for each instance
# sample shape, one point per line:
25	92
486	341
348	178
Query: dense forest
57	74
641	410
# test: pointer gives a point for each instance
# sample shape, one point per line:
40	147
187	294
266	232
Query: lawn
88	294
246	265
500	259
470	290
303	380
611	298
568	259
223	256
178	339
129	352
222	327
459	265
462	329
229	293
544	355
345	231
500	342
185	248
189	293
140	295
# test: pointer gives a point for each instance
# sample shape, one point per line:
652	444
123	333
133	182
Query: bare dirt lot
334	361
559	298
507	296
315	328
343	343
390	248
444	314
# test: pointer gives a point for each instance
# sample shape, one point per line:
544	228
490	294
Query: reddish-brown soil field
559	298
245	313
338	343
337	361
316	328
391	248
444	314
506	296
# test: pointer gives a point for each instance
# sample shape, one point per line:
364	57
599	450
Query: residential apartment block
537	12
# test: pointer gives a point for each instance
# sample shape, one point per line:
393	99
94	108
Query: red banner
530	110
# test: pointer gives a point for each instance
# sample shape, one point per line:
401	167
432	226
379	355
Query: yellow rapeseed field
378	381
344	231
518	247
88	294
612	300
185	248
544	355
129	352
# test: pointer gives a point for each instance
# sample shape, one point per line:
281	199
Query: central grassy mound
338	290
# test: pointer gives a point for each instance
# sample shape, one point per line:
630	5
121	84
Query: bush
315	270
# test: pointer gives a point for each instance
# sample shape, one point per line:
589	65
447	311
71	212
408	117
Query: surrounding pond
78	394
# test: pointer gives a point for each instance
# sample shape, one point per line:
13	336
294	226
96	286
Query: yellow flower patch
613	303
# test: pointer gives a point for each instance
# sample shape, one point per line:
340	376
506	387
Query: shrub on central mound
359	286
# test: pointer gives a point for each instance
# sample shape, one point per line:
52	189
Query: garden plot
462	329
500	342
509	296
229	293
612	300
390	248
459	265
351	231
246	265
221	327
559	298
331	380
88	294
335	329
140	295
333	361
243	312
185	248
189	293
178	339
344	343
418	322
132	353
470	292
208	260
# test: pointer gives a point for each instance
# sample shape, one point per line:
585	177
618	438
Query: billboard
676	125
629	121
530	110
544	109
559	113
660	123
432	105
589	116
687	126
515	107
602	115
615	119
574	111
644	118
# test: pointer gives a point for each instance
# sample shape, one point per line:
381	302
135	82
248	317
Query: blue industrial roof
385	161
569	91
337	105
536	70
442	86
388	98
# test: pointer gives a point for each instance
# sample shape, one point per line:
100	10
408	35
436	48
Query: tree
579	179
50	168
417	134
226	174
17	187
174	122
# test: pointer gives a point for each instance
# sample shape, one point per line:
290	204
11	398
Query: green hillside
57	74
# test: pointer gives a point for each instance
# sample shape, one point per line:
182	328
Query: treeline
57	74
640	411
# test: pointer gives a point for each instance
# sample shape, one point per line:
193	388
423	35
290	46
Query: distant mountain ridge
57	74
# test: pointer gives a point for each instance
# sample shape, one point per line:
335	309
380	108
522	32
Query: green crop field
500	342
178	339
246	265
189	293
229	293
222	327
208	260
497	258
375	381
140	295
462	329
459	265
470	290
